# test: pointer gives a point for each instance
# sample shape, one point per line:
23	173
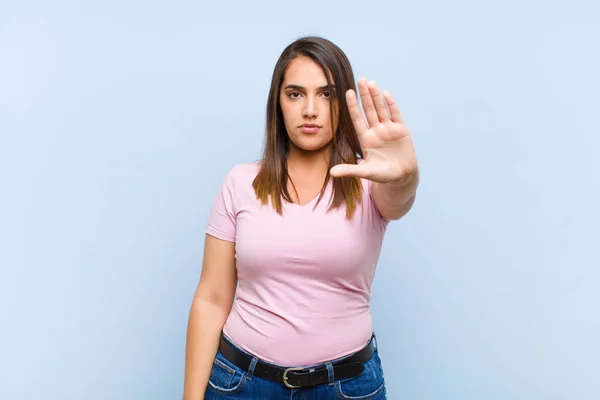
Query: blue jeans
227	381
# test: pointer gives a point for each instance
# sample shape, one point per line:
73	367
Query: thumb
342	170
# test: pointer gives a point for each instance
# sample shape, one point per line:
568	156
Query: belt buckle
285	378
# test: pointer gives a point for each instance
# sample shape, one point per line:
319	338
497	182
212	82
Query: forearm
203	334
395	199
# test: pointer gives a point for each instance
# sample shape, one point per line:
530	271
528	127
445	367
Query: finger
367	103
355	114
393	106
380	107
342	170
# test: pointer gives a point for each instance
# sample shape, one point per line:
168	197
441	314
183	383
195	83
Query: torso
304	276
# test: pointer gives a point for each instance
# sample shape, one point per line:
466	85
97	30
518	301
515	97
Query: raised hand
386	142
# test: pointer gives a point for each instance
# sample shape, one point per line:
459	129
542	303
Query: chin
311	145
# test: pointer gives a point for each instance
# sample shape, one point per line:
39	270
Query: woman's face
304	101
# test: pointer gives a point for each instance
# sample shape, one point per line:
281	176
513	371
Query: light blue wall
118	121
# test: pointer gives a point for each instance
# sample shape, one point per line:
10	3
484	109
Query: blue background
119	120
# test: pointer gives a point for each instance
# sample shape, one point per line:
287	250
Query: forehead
305	72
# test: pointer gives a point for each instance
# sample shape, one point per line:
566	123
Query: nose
310	108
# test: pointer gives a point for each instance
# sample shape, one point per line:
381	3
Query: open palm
386	142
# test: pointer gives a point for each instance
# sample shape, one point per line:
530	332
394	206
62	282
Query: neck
302	161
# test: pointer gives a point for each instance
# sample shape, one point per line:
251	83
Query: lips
310	128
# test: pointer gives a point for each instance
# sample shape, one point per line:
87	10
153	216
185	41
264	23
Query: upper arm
218	279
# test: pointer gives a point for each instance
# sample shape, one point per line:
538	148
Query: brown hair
272	178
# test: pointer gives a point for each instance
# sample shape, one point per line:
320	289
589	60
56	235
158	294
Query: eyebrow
298	87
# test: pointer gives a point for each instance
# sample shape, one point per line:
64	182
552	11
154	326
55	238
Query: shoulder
244	171
240	177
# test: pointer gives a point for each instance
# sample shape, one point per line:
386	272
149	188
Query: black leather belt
348	367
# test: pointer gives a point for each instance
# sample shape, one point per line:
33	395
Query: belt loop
330	373
374	342
250	373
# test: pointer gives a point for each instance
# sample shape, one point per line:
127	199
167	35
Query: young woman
300	231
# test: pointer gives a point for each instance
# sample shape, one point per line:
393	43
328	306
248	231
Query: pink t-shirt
304	276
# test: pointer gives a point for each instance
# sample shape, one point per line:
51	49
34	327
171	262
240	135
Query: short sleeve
222	217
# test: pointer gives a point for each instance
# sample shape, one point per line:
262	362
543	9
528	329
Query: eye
293	95
326	93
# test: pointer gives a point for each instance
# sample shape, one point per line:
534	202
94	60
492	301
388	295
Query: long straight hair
271	181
